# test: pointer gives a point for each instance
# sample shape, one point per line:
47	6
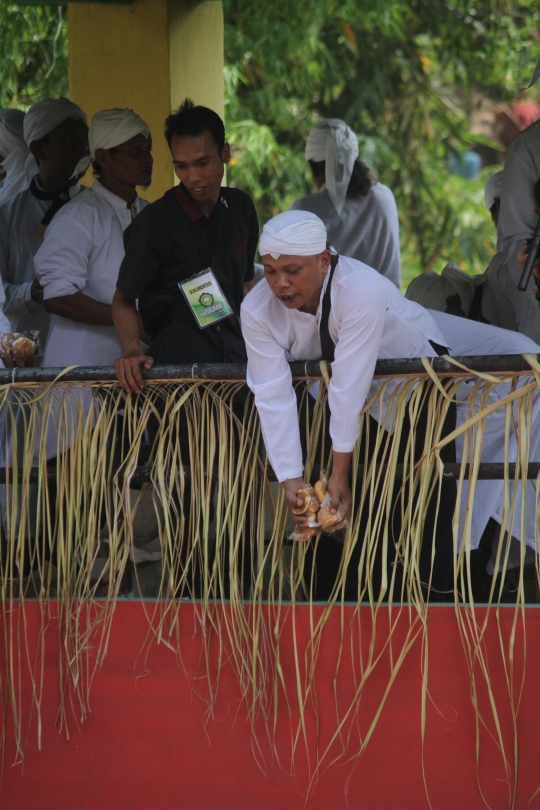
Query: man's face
297	280
130	163
199	165
59	152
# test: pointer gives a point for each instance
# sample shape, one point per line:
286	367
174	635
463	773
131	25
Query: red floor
145	747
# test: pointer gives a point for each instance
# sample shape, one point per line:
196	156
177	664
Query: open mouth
288	297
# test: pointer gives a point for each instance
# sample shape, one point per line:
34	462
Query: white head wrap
42	117
433	291
493	189
11	131
335	143
46	115
111	128
293	233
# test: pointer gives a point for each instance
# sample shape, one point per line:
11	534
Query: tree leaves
33	62
403	75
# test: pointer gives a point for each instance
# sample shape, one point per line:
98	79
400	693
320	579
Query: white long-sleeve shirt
82	252
369	320
21	235
517	218
367	229
464	338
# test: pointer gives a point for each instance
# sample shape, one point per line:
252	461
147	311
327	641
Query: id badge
205	298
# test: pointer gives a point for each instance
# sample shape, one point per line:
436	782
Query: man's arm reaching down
127	323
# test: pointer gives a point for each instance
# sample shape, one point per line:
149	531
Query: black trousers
193	570
437	529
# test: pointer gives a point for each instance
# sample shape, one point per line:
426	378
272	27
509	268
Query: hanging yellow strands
221	529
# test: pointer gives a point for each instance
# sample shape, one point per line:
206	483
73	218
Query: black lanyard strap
327	344
55	198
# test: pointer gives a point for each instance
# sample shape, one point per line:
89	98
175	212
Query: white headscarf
433	291
11	131
20	166
46	115
493	189
111	128
335	143
293	233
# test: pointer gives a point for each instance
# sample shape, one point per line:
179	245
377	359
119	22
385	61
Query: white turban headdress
110	128
335	143
493	189
293	233
11	131
433	291
41	118
46	115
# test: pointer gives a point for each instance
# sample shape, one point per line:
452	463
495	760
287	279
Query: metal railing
301	370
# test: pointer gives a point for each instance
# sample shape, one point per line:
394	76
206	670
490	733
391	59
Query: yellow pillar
148	56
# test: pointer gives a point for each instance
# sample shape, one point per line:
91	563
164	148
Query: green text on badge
205	298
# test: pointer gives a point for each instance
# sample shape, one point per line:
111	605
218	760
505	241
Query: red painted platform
147	744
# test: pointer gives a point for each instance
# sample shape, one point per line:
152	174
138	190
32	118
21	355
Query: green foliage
33	61
404	75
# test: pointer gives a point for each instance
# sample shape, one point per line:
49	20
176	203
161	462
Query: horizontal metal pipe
492	364
486	472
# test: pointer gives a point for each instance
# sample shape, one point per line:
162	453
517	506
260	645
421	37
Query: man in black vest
189	258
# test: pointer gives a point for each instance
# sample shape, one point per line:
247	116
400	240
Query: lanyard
327	344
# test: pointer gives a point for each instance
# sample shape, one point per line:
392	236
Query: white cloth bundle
432	291
110	128
463	284
335	143
493	189
11	131
293	233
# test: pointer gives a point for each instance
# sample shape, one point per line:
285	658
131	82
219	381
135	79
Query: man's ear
226	153
103	157
37	150
326	258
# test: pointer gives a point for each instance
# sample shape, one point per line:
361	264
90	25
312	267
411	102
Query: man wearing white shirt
281	317
78	262
56	135
360	213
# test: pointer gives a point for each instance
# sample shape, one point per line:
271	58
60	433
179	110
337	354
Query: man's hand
291	487
128	369
522	260
340	493
14	359
36	292
338	484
